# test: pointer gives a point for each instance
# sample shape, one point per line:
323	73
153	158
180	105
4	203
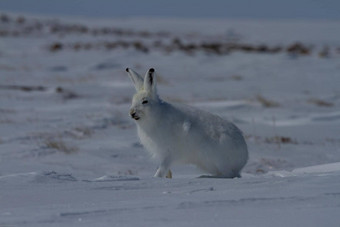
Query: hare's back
210	127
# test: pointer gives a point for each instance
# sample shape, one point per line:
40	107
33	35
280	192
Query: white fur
178	133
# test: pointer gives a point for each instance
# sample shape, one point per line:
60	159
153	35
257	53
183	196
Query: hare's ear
150	81
136	79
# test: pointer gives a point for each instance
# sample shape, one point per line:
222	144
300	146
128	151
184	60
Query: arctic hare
178	133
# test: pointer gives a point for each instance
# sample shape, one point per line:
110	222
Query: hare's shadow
218	177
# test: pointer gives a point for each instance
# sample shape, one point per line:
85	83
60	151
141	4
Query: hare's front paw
161	172
169	175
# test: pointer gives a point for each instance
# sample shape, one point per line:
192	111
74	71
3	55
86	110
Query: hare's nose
132	113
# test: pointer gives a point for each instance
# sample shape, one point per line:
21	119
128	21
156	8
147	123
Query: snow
70	155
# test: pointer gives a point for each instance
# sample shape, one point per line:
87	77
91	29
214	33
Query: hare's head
146	96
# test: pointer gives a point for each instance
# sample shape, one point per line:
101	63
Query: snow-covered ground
69	153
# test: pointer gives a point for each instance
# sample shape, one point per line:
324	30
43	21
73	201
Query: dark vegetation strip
18	26
23	88
217	48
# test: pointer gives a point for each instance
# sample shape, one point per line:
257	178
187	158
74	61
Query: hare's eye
145	102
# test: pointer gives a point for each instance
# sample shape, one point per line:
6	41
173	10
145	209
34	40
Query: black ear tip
127	69
151	70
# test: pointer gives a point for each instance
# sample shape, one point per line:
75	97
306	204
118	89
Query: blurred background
246	9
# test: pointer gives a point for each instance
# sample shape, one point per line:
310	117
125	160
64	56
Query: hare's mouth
134	115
